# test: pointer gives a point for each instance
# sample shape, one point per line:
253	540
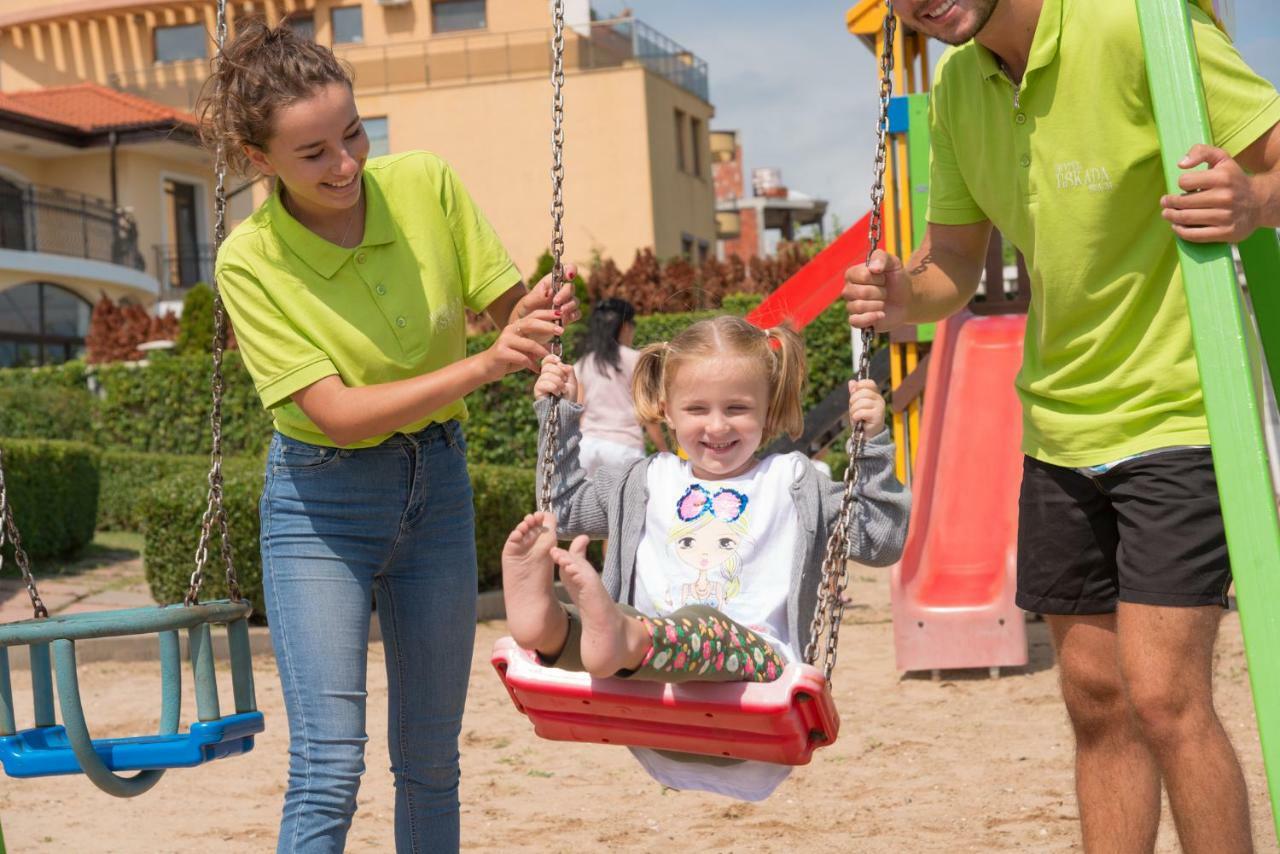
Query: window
348	24
686	246
304	24
681	160
704	251
695	137
41	324
379	136
174	44
449	16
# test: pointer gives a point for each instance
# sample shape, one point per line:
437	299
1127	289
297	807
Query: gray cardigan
612	504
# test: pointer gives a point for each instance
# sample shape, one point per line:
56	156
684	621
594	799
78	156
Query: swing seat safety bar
782	721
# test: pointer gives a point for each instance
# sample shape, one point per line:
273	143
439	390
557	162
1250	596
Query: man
1042	126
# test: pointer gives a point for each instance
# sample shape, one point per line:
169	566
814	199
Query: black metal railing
456	58
36	218
178	267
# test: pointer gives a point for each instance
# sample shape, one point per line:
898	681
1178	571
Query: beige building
467	79
101	193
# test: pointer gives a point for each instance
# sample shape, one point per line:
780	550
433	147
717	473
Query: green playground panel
918	176
1228	373
1260	254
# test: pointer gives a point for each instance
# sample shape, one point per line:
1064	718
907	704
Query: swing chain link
557	241
215	510
829	610
9	532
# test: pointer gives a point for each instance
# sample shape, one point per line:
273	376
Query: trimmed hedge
53	490
127	477
173	508
164	407
172	511
503	495
45	412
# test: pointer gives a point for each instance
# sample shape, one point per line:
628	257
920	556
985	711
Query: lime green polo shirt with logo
1067	166
391	308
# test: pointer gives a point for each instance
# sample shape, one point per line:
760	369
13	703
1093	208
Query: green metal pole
1227	375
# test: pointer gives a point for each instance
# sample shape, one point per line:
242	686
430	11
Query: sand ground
963	764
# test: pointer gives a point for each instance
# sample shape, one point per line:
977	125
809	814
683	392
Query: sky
801	91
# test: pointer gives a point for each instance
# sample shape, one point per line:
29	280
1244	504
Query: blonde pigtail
786	383
647	382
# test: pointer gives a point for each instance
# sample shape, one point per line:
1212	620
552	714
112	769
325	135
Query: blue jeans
396	523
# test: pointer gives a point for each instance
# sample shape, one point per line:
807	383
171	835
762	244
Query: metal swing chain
9	531
215	511
557	240
829	611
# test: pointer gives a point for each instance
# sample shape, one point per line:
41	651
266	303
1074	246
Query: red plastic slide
816	285
953	590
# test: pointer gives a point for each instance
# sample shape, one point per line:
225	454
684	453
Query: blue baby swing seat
48	749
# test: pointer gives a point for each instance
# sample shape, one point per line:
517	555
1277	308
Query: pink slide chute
953	590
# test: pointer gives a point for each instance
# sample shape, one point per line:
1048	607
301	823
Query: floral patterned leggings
696	643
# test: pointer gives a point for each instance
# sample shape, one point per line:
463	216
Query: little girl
715	561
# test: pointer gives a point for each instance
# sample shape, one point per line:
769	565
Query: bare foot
535	618
611	640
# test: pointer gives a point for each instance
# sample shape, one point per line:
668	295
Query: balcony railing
36	218
460	59
179	267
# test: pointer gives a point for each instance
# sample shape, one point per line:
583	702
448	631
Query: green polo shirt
1071	175
392	308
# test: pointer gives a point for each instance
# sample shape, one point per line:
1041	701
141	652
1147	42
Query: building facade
467	79
101	193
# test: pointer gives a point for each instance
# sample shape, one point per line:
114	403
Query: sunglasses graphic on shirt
724	504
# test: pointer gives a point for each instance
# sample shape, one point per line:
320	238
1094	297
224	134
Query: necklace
355	209
351	217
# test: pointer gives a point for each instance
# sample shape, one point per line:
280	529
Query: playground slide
816	285
953	590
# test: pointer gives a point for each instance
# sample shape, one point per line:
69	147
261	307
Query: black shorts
1149	531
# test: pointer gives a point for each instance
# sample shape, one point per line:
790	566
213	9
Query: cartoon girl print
708	540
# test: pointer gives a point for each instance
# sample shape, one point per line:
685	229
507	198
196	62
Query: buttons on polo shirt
1020	118
381	290
1025	160
360	257
401	322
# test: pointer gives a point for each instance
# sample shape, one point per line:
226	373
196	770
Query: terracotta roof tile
91	108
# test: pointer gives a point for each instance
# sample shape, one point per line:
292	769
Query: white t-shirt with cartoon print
728	544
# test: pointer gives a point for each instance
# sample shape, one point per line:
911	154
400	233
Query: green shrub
195	327
46	412
172	510
164	406
127	477
53	490
67	375
503	495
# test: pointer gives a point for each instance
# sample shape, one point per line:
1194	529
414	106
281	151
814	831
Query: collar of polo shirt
319	254
1044	45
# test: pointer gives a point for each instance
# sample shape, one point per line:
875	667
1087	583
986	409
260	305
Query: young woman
611	433
347	290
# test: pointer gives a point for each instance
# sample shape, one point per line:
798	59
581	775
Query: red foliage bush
115	331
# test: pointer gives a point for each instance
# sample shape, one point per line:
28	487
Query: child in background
610	432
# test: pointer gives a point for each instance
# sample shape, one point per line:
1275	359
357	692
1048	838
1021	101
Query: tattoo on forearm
922	265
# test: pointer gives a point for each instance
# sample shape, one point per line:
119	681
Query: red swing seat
782	721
